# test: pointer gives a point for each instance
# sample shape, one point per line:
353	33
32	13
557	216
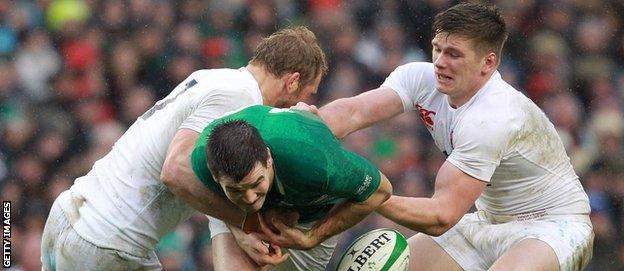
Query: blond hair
292	49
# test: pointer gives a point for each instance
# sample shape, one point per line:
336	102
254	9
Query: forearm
419	214
349	213
206	201
341	218
177	174
344	116
340	117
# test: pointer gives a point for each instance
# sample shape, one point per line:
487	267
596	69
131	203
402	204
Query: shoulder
411	81
495	114
415	68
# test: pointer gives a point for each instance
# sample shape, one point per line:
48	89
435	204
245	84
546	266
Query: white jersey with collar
121	203
500	137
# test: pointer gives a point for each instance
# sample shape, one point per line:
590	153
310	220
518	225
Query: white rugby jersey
126	206
500	137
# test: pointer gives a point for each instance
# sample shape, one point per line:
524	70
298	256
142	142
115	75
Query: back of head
234	148
292	50
480	23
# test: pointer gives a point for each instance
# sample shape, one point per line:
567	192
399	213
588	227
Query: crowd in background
74	74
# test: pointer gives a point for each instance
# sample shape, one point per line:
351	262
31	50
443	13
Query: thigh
227	255
528	254
55	229
72	252
426	254
568	239
315	259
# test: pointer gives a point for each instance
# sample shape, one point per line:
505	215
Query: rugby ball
377	250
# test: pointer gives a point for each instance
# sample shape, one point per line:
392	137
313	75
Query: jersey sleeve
352	176
409	80
214	105
479	146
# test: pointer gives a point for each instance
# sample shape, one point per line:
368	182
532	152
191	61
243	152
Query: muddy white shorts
479	238
62	248
316	258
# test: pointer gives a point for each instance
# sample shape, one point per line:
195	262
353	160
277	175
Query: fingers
276	257
267	233
305	107
315	109
261	248
300	106
273	259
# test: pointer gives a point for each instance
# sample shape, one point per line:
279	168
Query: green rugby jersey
313	172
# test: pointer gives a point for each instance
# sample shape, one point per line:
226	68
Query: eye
234	190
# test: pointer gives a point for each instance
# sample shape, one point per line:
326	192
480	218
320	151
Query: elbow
386	190
444	222
437	231
340	134
168	173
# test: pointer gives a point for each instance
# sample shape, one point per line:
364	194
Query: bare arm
455	193
341	218
179	177
347	115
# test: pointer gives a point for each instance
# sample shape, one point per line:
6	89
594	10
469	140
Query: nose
250	196
439	60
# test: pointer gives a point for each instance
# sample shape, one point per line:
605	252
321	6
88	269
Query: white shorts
479	239
63	249
316	258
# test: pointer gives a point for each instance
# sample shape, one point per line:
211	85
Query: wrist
313	238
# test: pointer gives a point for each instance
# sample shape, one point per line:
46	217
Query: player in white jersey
113	217
503	155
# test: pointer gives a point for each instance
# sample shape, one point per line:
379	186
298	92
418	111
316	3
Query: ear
292	82
214	178
269	158
490	63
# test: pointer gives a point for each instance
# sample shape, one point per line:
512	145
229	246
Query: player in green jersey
265	158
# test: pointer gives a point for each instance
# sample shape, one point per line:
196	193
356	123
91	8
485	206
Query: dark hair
293	49
234	148
481	23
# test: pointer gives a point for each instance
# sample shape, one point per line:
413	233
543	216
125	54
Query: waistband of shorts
528	216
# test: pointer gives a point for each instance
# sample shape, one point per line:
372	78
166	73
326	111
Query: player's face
458	66
302	93
250	193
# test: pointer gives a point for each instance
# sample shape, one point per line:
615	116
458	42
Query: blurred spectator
35	63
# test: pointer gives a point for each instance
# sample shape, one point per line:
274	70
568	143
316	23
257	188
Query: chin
442	89
256	207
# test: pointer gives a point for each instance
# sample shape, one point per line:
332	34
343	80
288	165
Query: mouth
443	78
252	206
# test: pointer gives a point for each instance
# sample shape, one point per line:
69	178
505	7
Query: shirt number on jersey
159	106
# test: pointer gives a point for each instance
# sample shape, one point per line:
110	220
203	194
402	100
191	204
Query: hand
306	107
251	223
287	216
260	252
287	236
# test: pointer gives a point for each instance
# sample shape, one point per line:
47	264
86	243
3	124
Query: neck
463	97
272	177
268	84
459	100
